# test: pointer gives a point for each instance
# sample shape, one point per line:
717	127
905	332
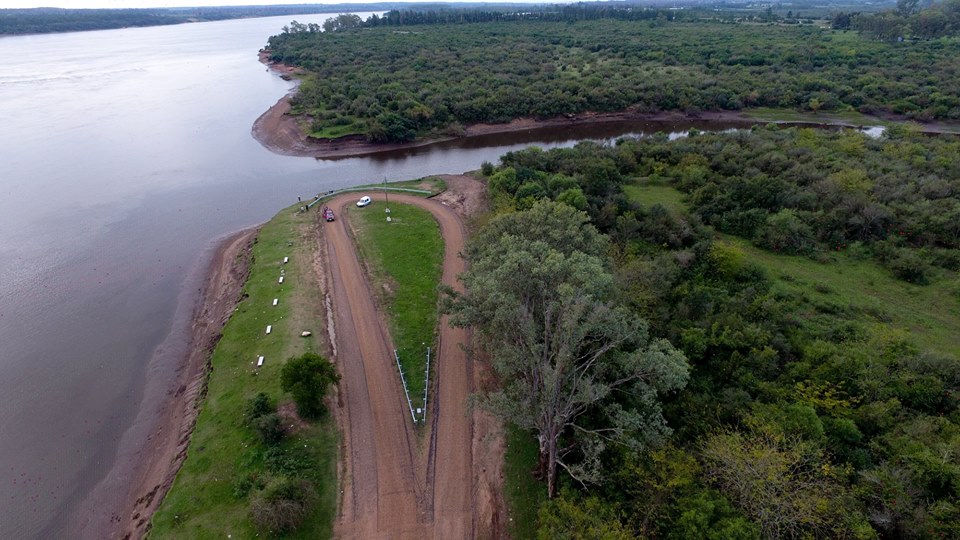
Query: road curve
396	485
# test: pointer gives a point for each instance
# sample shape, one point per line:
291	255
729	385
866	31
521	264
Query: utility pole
387	197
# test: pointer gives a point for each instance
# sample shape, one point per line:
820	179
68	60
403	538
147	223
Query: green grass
333	132
433	184
223	451
650	194
523	492
788	115
405	256
931	313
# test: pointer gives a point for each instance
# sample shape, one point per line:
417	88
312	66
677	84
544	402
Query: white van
365	200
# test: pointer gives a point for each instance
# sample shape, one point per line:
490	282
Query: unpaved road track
396	484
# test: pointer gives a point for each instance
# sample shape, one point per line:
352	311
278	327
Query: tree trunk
547	466
551	467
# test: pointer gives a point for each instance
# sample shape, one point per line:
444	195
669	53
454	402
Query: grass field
208	500
333	132
650	194
786	115
523	493
433	184
931	313
405	257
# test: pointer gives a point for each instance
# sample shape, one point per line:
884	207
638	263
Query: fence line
426	386
328	194
405	390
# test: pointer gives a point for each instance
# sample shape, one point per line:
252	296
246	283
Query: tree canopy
541	299
307	377
394	83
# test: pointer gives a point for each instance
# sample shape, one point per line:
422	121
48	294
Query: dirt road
396	484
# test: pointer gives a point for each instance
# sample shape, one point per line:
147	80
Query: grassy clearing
930	312
649	194
524	493
787	115
333	132
204	501
405	256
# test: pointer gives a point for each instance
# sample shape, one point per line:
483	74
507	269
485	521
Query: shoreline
222	287
144	471
280	132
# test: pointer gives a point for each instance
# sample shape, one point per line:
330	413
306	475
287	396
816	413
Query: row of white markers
275	302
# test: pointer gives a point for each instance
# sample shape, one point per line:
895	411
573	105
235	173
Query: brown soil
219	297
465	194
396	484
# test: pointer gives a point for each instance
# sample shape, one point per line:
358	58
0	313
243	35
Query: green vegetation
428	80
649	194
907	20
307	378
540	300
523	492
809	278
405	256
239	470
867	291
433	184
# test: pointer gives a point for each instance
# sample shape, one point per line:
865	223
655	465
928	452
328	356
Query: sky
81	4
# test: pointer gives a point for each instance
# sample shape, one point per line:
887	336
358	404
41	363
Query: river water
124	156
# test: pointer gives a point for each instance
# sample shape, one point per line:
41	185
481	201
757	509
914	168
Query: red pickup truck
327	213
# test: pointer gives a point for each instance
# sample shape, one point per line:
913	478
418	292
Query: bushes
307	378
261	415
909	266
282	505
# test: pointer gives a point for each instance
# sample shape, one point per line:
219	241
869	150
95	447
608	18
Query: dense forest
811	410
393	84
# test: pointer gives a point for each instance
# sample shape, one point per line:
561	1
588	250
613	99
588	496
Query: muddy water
124	155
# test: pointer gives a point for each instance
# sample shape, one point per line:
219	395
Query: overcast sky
164	3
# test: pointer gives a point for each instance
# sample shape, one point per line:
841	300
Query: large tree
577	369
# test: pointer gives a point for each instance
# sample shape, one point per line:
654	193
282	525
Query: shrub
908	266
256	407
486	168
282	506
270	428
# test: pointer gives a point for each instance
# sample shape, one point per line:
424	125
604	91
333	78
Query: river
125	155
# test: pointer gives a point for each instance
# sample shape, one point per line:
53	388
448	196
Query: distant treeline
49	20
907	21
574	12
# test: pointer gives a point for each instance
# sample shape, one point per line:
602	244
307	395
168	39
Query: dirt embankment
167	448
